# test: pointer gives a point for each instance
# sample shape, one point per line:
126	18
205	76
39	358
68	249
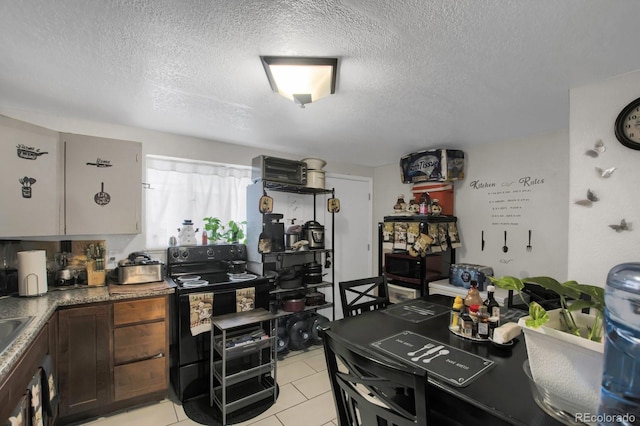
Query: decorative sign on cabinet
102	185
67	184
31	187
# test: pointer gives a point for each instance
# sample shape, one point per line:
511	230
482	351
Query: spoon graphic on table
442	352
429	352
427	346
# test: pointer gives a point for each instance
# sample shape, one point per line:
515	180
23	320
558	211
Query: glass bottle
466	323
425	203
493	307
483	323
473	295
473	313
620	392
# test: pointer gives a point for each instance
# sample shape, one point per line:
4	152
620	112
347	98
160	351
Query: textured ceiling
413	74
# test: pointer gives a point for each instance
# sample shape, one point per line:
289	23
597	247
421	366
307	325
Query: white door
353	245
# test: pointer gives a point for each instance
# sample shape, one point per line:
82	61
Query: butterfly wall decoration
606	173
598	148
624	226
591	198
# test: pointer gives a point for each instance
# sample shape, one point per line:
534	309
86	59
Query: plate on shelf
242	277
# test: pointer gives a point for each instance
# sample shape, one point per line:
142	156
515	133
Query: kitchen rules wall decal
102	198
509	201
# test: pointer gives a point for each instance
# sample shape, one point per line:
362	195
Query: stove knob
240	250
185	254
210	252
175	254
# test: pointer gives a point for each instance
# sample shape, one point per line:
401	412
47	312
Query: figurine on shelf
401	207
436	209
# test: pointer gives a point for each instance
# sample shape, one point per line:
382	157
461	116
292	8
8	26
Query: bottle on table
493	307
483	323
466	323
473	295
620	392
473	313
456	311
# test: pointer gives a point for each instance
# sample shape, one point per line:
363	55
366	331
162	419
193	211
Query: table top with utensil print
468	381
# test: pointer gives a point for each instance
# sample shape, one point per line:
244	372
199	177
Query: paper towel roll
32	272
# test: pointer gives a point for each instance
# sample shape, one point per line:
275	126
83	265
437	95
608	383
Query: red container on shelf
441	191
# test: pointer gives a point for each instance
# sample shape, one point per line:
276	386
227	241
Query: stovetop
192	267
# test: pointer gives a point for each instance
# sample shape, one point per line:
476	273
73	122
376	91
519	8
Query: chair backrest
368	392
366	294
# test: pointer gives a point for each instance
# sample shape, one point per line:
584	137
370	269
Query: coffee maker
273	227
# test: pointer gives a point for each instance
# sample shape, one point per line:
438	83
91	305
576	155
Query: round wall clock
627	125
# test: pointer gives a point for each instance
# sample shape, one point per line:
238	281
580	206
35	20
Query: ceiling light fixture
302	80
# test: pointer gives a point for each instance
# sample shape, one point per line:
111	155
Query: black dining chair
369	392
365	294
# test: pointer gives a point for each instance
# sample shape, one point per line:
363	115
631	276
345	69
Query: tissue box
438	165
461	275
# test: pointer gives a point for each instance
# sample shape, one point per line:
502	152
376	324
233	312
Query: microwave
279	170
404	268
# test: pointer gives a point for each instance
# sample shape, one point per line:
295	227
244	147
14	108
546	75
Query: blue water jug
620	393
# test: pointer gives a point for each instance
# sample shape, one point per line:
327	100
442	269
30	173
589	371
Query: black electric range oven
205	289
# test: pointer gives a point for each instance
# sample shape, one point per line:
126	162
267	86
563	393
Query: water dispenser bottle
620	393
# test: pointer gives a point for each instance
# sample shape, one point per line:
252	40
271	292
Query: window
187	189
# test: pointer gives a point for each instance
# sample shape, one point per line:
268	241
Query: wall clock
627	127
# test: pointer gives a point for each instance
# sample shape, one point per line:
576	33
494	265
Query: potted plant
215	229
564	345
235	232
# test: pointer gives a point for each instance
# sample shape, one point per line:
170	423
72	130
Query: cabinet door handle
160	355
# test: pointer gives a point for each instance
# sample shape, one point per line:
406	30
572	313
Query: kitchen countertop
42	307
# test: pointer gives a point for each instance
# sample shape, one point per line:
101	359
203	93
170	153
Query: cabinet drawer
140	378
135	311
138	342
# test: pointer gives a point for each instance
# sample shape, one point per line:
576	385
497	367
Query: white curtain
182	189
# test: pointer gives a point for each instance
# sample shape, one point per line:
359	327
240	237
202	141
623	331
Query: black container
8	282
312	273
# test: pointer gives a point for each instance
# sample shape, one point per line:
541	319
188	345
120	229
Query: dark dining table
501	395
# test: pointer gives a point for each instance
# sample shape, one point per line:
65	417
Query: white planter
567	366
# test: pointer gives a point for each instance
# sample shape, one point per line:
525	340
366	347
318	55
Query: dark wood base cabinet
13	388
112	356
83	358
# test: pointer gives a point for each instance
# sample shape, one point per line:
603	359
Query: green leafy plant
214	228
235	232
569	293
231	233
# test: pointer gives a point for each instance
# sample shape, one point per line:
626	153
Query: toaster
139	268
461	275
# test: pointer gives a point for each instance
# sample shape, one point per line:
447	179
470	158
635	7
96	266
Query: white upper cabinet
31	184
103	185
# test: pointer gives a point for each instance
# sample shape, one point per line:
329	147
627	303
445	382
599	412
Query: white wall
594	248
542	208
159	143
516	186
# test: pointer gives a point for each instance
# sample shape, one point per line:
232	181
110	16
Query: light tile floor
305	399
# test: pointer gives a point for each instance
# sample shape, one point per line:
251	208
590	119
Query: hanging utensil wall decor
102	198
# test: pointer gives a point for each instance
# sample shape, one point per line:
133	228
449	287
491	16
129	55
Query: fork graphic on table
529	248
